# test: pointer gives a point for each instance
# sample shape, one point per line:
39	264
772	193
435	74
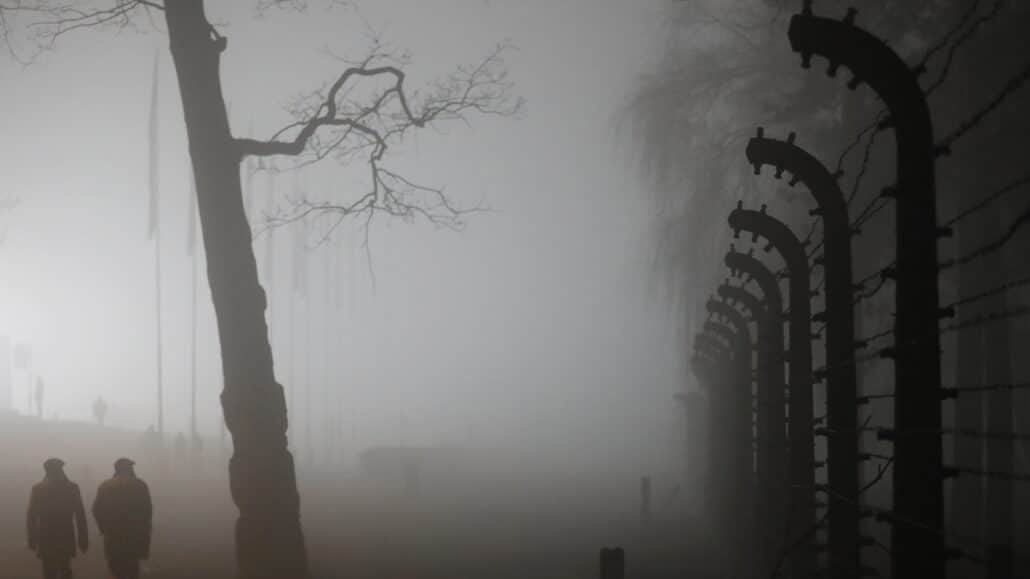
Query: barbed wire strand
950	59
1010	87
1013	186
992	246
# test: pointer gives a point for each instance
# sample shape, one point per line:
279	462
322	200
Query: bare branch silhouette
343	123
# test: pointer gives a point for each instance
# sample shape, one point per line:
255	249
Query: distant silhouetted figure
100	410
123	511
55	516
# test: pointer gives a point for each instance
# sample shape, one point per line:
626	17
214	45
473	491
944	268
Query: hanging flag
153	157
191	228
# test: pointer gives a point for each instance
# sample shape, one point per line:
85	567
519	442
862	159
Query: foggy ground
493	517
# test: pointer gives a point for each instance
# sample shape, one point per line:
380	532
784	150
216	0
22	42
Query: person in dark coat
123	512
55	517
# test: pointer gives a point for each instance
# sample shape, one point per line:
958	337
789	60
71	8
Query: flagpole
155	229
157	283
193	354
326	324
291	409
307	386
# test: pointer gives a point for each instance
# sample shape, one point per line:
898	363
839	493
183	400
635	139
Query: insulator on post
949	472
890	353
854	82
831	70
816	211
791	137
945	232
761	132
889	192
886	434
886	123
763	208
948	312
806	8
819	316
947	394
793	180
942	151
849	18
889	272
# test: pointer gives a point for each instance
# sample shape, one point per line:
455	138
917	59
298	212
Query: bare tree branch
45	21
367	110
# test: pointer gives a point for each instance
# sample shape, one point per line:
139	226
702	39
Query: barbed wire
959	470
1009	285
885	433
992	246
988	318
871	293
984	388
877	125
950	58
1006	189
871	211
943	42
866	157
864	342
1010	87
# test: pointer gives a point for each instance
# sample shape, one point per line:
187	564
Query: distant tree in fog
356	117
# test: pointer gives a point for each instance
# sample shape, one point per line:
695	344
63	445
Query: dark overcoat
122	510
55	515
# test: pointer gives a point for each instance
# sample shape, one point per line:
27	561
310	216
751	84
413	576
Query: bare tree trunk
269	540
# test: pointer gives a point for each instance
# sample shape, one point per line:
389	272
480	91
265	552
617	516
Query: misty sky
539	325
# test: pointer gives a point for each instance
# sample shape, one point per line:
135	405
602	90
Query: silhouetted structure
55	518
100	410
645	500
123	512
613	563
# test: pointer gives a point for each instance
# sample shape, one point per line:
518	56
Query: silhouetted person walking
55	516
123	511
